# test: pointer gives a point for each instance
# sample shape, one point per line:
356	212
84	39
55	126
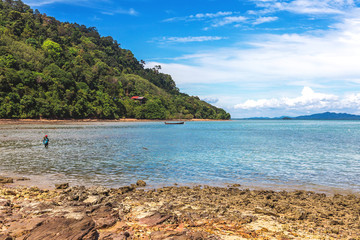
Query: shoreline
198	212
48	182
81	121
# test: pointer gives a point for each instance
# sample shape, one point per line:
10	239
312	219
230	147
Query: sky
254	58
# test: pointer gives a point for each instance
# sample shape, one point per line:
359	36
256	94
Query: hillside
329	116
58	70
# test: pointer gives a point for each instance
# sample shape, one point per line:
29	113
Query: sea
320	156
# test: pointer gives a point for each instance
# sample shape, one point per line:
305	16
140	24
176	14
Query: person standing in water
46	141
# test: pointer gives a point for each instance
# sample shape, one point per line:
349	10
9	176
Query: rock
6	180
168	235
105	217
62	186
141	183
114	236
300	214
126	189
236	185
92	199
10	192
5	203
99	191
265	212
155	219
6	237
22	179
64	228
22	227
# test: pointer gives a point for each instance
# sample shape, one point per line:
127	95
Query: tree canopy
53	69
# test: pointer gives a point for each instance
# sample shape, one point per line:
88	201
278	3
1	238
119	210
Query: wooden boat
174	122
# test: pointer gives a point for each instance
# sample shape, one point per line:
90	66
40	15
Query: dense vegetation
52	69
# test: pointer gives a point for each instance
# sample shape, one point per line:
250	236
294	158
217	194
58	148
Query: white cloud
261	20
308	100
229	20
307	6
191	39
35	3
199	16
320	57
86	3
210	15
130	11
326	60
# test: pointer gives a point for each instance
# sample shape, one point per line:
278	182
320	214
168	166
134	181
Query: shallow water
311	155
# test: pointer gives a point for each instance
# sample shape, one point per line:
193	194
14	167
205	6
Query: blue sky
252	57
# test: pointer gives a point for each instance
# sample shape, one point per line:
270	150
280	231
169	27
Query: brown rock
168	235
92	199
22	179
265	212
6	180
62	186
126	189
155	219
59	228
6	237
113	236
141	183
4	203
105	217
22	227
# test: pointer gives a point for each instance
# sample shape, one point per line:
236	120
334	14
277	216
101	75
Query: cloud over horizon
309	102
324	59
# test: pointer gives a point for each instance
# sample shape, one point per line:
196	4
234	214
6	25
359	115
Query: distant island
317	116
60	70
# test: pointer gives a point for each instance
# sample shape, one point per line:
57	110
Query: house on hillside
142	100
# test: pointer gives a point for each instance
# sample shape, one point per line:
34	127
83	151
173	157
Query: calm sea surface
311	155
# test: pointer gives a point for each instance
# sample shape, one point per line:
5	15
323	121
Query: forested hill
59	70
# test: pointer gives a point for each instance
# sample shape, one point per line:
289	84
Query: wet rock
6	180
62	186
141	183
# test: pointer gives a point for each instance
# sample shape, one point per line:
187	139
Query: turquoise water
311	155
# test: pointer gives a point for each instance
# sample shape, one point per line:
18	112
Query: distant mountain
329	116
318	116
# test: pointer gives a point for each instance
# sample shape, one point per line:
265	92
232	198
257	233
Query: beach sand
174	212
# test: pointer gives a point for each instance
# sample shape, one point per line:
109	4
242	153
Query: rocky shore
176	212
